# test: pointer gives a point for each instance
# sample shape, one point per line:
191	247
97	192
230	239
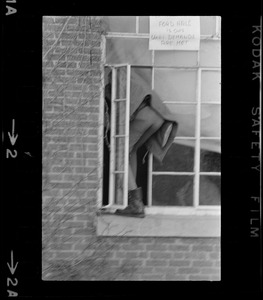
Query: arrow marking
29	154
12	268
13	137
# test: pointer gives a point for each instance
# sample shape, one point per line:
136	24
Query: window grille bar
191	102
120	135
211	173
150	174
197	144
217	33
209	138
180	102
120	100
127	127
171	173
186	68
113	172
113	128
137	25
147	35
150	158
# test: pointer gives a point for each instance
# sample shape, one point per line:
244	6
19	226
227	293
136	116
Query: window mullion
150	159
137	25
112	139
197	145
150	179
127	129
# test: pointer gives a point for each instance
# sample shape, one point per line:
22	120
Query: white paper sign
174	33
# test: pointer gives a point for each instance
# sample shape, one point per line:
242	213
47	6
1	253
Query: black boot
135	206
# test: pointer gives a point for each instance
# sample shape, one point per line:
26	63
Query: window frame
176	210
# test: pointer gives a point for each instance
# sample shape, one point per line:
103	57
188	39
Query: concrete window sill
159	225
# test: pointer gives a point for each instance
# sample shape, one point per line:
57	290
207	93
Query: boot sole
130	215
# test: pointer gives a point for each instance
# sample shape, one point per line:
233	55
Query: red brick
216	277
202	263
136	254
178	255
156	263
62	185
179	247
145	270
156	247
163	240
217	248
160	255
207	248
165	270
64	246
199	277
75	224
62	169
153	277
214	255
112	262
81	216
93	132
142	240
133	247
188	270
196	255
120	254
211	271
177	277
217	263
55	177
48	20
180	263
65	255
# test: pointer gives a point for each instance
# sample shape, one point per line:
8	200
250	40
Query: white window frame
113	137
196	208
174	210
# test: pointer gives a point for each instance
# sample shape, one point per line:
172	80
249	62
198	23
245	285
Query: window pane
174	85
145	73
143	24
121	82
211	86
210	160
119	158
120	23
119	181
208	25
219	27
120	117
169	190
175	58
213	145
128	50
179	158
210	53
185	116
210	190
210	120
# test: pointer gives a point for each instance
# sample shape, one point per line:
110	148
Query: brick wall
72	97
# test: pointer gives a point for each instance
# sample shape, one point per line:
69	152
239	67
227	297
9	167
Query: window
188	181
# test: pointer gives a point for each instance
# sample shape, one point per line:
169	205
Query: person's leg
132	185
132	170
145	124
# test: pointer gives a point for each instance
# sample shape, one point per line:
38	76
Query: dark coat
139	90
